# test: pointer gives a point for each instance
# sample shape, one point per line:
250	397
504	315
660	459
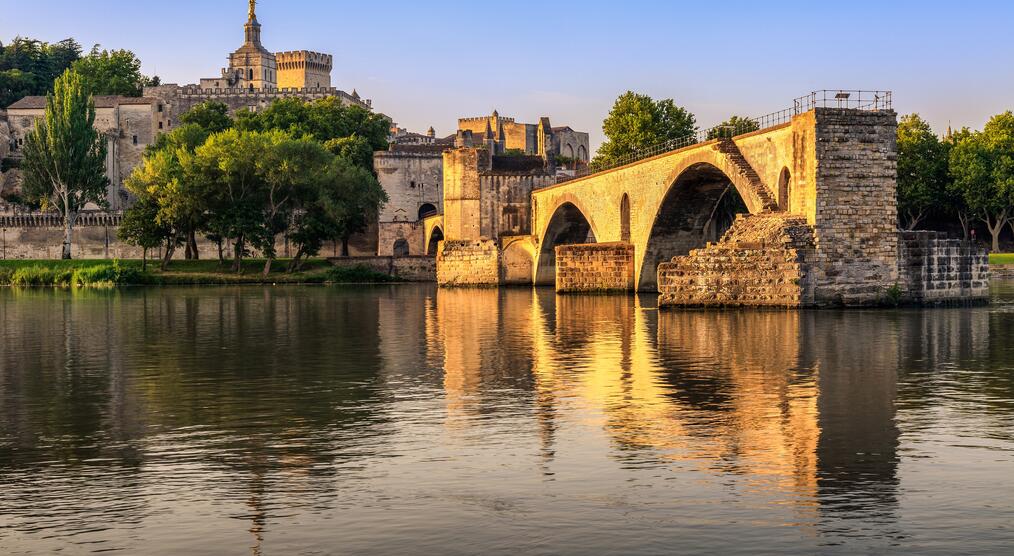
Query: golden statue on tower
253	10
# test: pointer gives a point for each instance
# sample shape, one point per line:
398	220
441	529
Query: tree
210	116
922	171
347	130
29	66
637	122
140	226
64	158
735	125
983	168
112	72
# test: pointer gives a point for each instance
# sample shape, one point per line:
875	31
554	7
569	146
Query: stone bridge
799	214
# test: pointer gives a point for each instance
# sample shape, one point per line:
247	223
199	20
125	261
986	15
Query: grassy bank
77	273
1001	258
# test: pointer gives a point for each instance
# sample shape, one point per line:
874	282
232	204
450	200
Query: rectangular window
135	139
160	125
170	123
160	108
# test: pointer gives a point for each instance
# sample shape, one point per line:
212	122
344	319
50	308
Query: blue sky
427	63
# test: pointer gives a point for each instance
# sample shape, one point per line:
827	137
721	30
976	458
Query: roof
563	128
101	101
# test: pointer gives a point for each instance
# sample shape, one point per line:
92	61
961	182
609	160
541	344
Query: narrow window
135	139
160	125
160	108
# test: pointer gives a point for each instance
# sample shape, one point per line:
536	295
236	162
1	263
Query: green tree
140	226
638	122
922	171
64	158
112	72
735	125
210	116
29	66
346	130
954	203
983	168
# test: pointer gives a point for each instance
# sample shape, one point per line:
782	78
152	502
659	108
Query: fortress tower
252	67
302	69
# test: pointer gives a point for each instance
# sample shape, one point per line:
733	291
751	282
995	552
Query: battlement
298	59
503	119
267	95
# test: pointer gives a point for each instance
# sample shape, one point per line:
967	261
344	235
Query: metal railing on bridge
827	98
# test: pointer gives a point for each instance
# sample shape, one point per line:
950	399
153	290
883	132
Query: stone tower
252	67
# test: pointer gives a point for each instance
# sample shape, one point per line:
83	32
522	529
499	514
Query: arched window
401	248
250	74
625	218
427	210
568	151
582	153
783	189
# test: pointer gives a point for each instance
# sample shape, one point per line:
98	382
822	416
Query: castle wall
389	233
411	180
411	269
462	194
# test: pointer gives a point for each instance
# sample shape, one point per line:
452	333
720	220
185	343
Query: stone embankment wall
411	269
1002	271
763	260
936	270
468	263
595	267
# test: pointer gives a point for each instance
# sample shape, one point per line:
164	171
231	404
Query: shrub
356	274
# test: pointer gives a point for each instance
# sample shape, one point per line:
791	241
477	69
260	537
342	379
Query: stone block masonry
409	269
595	267
940	271
468	263
763	260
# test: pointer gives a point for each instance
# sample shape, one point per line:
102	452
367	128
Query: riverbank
85	273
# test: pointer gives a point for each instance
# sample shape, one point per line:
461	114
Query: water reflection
285	419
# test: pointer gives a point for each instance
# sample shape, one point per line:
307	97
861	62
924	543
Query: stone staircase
741	167
762	260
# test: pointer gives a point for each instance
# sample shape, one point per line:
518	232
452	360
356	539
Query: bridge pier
595	268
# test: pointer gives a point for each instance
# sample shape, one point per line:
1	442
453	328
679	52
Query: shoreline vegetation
107	273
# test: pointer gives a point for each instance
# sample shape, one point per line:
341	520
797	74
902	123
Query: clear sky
429	62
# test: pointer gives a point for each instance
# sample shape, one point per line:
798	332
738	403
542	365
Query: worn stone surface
937	270
468	263
763	260
595	267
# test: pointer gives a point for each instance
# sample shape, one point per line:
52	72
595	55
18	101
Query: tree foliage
922	171
29	66
64	158
637	122
982	165
735	125
112	72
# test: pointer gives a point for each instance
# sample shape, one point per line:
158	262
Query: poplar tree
64	160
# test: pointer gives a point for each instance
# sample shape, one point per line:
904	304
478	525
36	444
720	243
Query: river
407	420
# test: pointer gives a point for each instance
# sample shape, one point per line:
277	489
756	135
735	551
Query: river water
407	420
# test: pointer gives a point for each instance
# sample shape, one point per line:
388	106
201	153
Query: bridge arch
433	242
699	205
567	225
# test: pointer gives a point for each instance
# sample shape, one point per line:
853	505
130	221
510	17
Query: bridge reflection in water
800	405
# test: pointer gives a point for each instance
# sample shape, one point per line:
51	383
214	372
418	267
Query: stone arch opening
582	153
427	209
401	248
700	205
567	226
436	236
568	151
625	218
783	189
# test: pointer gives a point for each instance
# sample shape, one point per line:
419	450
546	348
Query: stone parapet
763	260
468	263
595	267
935	270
